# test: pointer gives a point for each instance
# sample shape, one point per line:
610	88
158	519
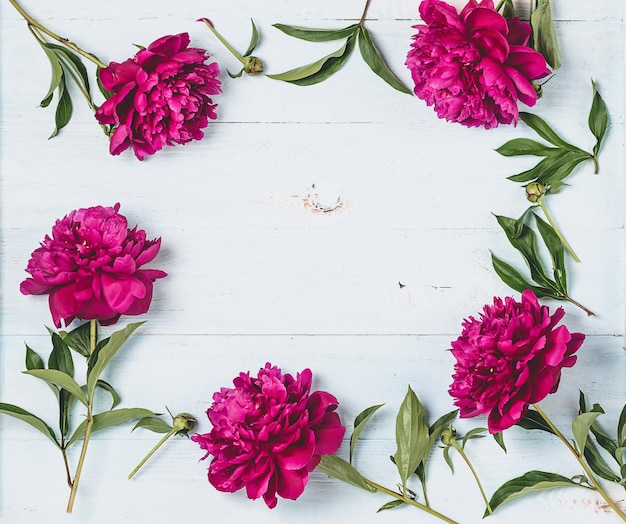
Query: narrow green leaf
562	169
108	419
63	112
556	250
29	418
525	243
581	426
377	63
547	165
597	463
533	420
544	33
412	438
499	438
447	458
316	35
339	469
395	503
33	360
57	72
473	434
442	422
598	118
60	357
254	40
61	379
79	339
111	390
514	279
46	101
318	71
154	424
105	354
359	423
525	146
530	482
621	427
539	126
71	60
508	9
519	223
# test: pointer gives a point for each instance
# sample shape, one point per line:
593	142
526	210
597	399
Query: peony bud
183	423
252	65
535	191
446	436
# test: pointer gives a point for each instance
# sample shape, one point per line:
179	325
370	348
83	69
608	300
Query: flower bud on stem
183	424
581	461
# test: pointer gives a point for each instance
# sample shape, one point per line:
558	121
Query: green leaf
108	387
33	360
539	126
254	40
533	420
395	503
63	112
60	357
499	438
446	457
581	426
316	35
57	72
519	223
473	434
79	339
29	418
63	380
108	419
597	463
339	469
561	169
514	279
359	423
544	34
508	9
556	250
525	146
377	63
525	243
598	118
530	482
105	354
547	165
71	60
621	427
154	424
412	438
318	71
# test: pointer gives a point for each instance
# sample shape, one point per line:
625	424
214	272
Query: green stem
31	21
586	468
543	207
367	6
68	475
578	304
408	500
152	451
88	425
237	55
461	451
596	167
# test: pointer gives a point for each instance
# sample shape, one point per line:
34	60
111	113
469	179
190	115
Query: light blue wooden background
256	275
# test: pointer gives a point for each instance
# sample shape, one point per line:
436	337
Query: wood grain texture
340	227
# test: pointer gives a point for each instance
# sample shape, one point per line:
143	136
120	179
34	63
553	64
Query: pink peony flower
90	268
473	67
268	433
160	96
512	357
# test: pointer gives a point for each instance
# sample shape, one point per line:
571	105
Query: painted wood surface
340	227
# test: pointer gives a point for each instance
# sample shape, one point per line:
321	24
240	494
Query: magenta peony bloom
268	433
90	268
473	67
512	357
160	96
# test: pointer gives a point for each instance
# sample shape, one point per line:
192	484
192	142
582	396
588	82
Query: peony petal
291	484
